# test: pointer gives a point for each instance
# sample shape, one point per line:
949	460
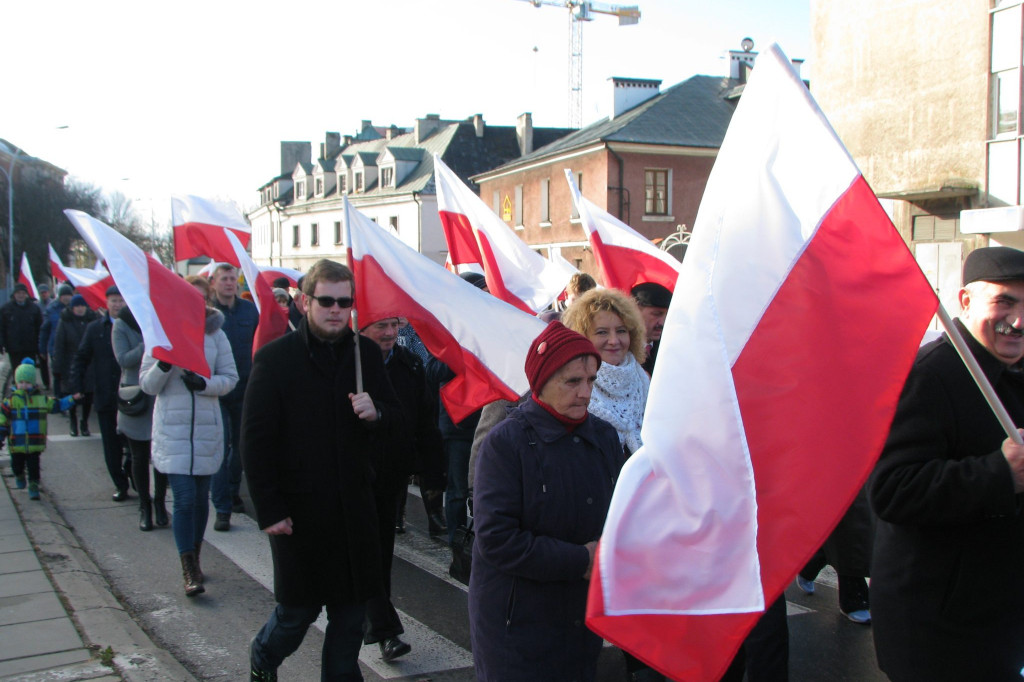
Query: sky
195	97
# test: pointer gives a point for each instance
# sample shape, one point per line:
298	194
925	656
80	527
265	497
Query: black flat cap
649	294
20	286
994	264
113	291
474	278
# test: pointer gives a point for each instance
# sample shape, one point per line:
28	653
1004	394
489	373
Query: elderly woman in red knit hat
544	480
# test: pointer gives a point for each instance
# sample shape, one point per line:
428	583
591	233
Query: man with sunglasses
308	435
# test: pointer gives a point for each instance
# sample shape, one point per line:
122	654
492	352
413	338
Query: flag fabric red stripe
763	426
25	276
56	266
458	233
192	240
198	225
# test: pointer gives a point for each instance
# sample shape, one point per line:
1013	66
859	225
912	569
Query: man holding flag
947	580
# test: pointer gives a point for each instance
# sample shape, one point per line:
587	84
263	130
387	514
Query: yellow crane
580	11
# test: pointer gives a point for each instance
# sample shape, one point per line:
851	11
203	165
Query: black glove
164	366
193	381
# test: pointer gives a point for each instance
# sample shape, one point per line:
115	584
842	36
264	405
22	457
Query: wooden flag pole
979	376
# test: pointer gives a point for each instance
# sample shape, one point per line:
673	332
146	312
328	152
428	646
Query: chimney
797	63
478	125
347	140
524	133
630	92
292	153
330	145
742	61
426	126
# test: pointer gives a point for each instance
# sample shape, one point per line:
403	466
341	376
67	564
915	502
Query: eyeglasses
329	301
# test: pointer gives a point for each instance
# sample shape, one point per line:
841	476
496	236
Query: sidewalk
58	618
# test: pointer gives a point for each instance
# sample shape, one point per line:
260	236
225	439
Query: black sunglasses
329	301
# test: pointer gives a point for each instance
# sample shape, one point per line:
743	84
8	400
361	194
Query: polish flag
170	311
803	314
273	321
25	276
56	266
483	340
91	284
272	272
515	272
626	257
199	228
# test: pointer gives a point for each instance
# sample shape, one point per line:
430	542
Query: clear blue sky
194	97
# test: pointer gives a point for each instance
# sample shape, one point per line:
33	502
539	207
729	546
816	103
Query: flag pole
355	312
979	376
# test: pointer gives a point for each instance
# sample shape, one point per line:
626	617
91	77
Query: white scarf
619	397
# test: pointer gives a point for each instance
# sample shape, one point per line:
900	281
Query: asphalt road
210	634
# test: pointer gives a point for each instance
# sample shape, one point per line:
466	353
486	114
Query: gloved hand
164	366
193	381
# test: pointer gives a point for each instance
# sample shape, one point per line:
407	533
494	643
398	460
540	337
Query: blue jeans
283	632
191	509
228	478
456	452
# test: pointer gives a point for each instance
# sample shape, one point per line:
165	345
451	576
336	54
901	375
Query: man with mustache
654	301
947	589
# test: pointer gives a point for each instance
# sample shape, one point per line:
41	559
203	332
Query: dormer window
359	181
387	176
342	183
300	189
319	187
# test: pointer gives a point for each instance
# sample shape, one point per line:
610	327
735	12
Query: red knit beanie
552	350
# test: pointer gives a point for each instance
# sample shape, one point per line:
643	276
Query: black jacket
947	577
418	447
96	353
307	457
19	328
70	331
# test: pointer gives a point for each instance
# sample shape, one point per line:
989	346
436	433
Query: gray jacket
188	433
128	350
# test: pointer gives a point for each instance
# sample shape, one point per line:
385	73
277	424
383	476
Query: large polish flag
56	266
170	311
482	339
625	257
273	319
199	225
515	273
803	314
25	276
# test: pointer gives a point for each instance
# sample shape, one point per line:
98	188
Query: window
342	183
655	192
387	176
545	204
359	181
1005	70
518	215
579	183
319	187
314	234
300	190
393	223
295	236
496	201
337	231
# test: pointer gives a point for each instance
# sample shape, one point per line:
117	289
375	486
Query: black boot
84	428
145	515
433	504
160	512
189	570
257	675
74	422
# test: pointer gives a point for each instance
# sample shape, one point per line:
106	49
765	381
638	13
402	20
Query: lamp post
9	174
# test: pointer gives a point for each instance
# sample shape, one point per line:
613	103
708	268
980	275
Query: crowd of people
329	425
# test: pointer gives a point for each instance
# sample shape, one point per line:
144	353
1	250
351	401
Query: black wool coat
947	577
307	457
418	448
96	354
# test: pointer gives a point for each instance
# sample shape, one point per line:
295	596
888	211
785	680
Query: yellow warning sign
506	209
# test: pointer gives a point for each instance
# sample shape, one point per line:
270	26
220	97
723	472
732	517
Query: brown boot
199	568
189	569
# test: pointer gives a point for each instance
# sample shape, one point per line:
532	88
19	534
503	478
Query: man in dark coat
307	438
654	300
947	586
414	449
96	350
20	321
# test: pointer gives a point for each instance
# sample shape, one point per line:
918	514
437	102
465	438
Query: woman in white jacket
188	438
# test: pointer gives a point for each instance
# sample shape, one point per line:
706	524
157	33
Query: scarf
619	397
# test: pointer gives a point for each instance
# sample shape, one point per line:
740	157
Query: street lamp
9	174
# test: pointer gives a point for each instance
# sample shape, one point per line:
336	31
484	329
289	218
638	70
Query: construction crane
580	11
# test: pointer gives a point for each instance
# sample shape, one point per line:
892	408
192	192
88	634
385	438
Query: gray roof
693	113
406	153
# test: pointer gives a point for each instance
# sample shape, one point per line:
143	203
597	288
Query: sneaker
223	522
33	490
806	586
19	482
860	616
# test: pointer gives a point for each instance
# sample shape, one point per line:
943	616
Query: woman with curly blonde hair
612	321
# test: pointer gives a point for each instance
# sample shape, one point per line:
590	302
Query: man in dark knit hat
947	592
20	321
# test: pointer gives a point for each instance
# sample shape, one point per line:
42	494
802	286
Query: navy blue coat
240	322
541	494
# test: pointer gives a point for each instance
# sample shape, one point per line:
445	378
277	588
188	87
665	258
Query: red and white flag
25	276
169	310
803	314
91	284
272	272
273	320
56	266
199	224
626	257
515	273
483	340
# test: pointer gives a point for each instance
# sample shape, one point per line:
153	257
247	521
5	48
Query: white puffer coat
188	433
